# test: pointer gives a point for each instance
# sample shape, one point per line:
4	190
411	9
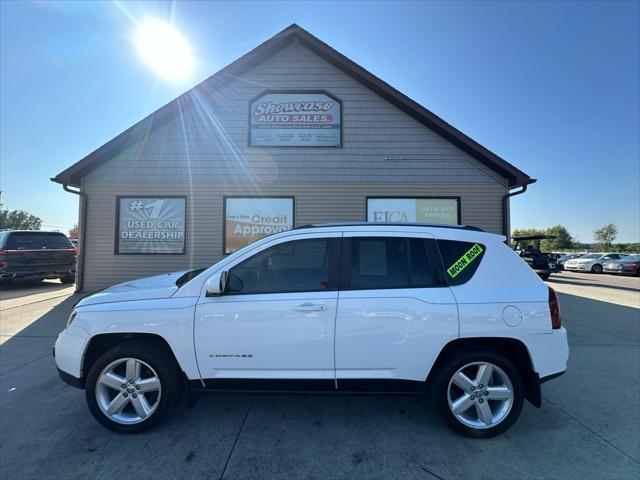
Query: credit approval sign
248	219
295	119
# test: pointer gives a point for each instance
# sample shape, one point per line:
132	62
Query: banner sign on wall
295	119
421	210
251	218
151	225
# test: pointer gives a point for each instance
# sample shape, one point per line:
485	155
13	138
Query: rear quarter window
460	259
37	241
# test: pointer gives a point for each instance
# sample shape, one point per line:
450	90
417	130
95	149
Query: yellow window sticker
465	260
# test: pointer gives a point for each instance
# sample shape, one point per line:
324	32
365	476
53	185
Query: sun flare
164	49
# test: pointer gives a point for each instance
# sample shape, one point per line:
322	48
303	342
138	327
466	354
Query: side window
420	271
388	262
460	259
297	266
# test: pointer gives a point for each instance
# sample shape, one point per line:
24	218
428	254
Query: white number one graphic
156	208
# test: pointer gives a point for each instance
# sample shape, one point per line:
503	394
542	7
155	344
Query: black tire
597	268
159	359
68	279
457	361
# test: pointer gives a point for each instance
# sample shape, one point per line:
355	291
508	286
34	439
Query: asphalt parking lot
619	289
588	427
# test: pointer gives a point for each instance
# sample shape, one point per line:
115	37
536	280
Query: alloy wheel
480	395
128	391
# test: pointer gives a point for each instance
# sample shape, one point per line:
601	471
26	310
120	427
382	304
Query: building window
248	219
437	210
150	225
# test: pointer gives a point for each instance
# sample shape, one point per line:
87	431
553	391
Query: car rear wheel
130	387
478	394
597	268
66	279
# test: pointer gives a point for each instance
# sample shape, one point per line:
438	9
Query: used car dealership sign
151	225
296	119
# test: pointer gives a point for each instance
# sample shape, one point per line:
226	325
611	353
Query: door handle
310	307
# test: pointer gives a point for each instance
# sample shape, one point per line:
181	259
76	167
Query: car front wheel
597	268
478	394
130	387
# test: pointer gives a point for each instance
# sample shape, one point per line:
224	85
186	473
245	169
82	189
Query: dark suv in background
36	255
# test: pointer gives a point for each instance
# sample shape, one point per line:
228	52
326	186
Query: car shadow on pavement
36	339
556	279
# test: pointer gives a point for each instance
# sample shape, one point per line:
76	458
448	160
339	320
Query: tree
74	232
19	220
605	235
563	239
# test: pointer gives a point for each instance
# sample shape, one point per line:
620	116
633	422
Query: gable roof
73	174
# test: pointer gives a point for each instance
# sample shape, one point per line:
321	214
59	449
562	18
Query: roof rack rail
390	224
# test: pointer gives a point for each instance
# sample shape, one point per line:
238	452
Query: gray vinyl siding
208	142
314	203
204	155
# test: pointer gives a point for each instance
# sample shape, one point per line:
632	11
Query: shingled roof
73	174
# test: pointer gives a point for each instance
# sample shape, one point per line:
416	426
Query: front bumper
578	268
621	272
69	353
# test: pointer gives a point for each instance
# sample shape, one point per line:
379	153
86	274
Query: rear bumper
23	273
549	352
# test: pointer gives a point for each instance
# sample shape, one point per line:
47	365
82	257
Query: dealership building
292	133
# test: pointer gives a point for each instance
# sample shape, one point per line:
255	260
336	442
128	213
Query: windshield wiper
188	276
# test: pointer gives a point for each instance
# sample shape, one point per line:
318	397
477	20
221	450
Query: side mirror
215	284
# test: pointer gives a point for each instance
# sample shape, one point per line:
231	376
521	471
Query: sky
551	87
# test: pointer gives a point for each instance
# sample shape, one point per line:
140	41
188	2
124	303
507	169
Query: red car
629	265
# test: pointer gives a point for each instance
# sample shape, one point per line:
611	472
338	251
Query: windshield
631	258
591	255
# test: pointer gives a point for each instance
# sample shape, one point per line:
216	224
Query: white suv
344	307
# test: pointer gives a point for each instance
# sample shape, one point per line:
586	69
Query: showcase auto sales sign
296	119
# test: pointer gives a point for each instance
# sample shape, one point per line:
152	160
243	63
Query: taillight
554	309
3	256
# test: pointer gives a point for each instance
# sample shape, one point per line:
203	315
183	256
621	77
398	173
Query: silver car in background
592	262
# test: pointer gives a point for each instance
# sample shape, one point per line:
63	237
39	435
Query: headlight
72	317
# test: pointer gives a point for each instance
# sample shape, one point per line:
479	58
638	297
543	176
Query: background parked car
565	257
36	255
629	265
591	262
